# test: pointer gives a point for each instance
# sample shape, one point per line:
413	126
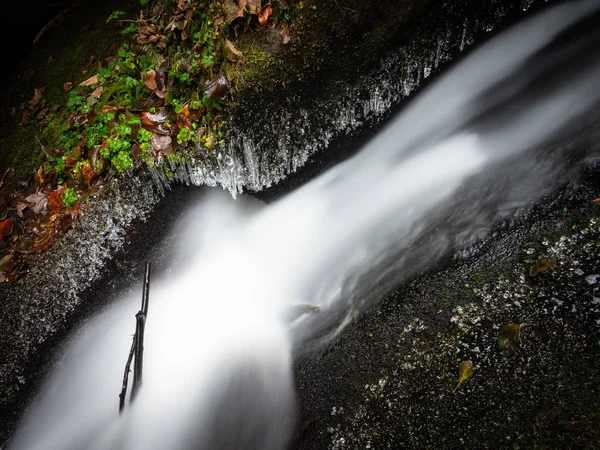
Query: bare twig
139	331
137	346
126	377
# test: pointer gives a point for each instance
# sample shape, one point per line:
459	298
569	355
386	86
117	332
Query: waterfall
477	145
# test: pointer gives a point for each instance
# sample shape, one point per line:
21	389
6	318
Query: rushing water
223	326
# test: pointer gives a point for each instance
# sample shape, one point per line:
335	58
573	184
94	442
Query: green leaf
465	371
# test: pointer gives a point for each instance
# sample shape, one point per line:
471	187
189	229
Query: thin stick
139	336
137	346
126	377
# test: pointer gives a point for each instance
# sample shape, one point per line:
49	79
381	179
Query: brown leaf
150	79
253	6
37	98
20	208
90	81
542	265
24	118
39	202
231	11
596	201
218	21
233	53
40	115
161	144
285	33
68	86
6	227
465	371
264	14
509	336
95	96
216	88
43	240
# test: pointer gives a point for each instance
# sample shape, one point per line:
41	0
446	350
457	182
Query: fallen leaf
285	33
596	201
95	96
150	79
68	86
231	11
161	143
40	115
90	81
4	262
55	201
24	118
20	208
216	88
6	227
264	14
542	265
218	21
26	245
160	117
465	371
43	240
233	53
37	98
253	6
509	336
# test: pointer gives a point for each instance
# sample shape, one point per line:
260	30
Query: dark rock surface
388	381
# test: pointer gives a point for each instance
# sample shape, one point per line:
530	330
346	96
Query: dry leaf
542	265
20	208
233	53
37	98
150	79
216	88
95	96
161	143
509	336
465	371
90	81
68	86
264	14
40	202
253	6
55	201
285	33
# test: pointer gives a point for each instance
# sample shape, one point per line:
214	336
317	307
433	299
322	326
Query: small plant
184	135
69	197
115	15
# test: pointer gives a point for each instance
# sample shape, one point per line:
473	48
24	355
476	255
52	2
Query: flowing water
474	149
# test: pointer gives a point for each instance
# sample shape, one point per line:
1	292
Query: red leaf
6	227
55	201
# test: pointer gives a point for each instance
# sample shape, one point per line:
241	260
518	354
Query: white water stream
219	345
